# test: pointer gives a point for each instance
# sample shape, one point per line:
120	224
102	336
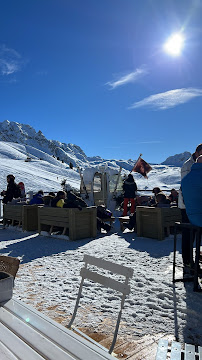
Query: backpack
103	212
17	191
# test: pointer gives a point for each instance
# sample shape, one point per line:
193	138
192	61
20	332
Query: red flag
142	167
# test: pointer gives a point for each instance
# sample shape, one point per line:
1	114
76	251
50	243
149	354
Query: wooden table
108	220
27	334
122	220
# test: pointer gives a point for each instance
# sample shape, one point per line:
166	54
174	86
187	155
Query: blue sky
94	73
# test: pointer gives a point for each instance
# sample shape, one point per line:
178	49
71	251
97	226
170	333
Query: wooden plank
6	354
16	345
189	352
108	265
53	210
200	352
162	350
66	339
32	337
106	281
175	351
30	217
54	218
56	222
72	225
62	214
93	222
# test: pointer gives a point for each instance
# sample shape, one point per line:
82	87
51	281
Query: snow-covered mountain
50	161
26	135
177	160
36	145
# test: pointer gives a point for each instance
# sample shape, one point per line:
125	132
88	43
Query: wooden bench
122	220
24	215
174	351
12	213
152	221
27	334
108	220
80	224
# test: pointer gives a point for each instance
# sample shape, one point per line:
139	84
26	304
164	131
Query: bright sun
174	44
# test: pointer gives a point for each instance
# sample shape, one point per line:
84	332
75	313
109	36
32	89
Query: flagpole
136	162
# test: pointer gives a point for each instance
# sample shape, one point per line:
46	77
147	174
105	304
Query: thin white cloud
42	73
128	78
10	61
168	99
149	142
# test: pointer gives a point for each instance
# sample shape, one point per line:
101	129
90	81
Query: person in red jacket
129	188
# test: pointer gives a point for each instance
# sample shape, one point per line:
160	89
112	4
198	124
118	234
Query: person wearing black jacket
129	188
74	201
13	190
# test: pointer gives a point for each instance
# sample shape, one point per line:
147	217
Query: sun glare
174	45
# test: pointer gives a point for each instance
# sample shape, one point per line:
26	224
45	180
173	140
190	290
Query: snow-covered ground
48	279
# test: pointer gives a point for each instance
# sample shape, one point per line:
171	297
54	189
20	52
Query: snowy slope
38	174
48	172
26	135
163	176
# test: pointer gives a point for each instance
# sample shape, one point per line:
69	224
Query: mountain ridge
26	135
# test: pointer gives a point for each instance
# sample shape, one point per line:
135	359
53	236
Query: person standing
192	193
186	168
129	188
12	191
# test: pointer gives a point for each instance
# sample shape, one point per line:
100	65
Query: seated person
74	201
173	197
155	191
162	200
142	200
22	190
102	214
48	198
37	198
59	199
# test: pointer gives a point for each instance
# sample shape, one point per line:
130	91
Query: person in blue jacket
37	198
192	193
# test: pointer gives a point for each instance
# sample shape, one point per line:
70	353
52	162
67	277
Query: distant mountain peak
178	159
